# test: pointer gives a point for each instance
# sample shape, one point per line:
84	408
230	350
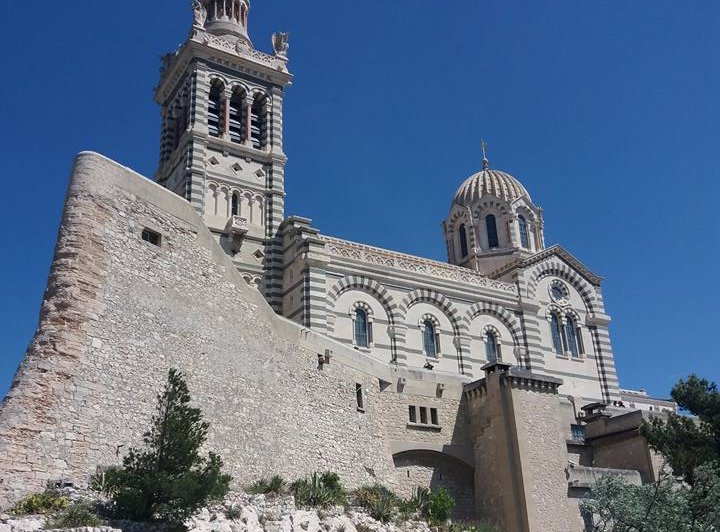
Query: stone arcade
490	375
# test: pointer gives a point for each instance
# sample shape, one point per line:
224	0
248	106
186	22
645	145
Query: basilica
502	295
491	375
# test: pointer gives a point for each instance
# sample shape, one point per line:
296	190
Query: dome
490	183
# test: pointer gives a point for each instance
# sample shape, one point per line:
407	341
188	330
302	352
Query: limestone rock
29	524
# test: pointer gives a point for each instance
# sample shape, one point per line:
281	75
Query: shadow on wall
450	468
440	470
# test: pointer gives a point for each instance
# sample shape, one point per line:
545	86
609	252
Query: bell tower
221	144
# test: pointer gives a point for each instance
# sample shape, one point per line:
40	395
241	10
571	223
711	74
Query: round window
559	292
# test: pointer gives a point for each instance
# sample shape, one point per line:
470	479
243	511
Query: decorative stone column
248	120
227	98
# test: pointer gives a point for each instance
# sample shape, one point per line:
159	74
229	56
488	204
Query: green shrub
77	515
420	501
441	504
233	512
275	486
318	491
381	503
169	480
41	503
106	480
260	487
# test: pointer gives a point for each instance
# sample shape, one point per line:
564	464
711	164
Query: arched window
237	115
361	328
258	122
492	232
463	240
235	204
556	330
431	342
215	125
524	237
492	347
572	335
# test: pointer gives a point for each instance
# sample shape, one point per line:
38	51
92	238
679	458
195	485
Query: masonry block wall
520	452
120	311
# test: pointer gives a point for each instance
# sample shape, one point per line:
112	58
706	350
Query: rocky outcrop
241	512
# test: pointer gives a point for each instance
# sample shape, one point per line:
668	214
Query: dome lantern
228	18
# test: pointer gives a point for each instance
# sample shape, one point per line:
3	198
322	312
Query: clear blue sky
607	111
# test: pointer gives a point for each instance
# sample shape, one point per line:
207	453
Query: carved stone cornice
401	261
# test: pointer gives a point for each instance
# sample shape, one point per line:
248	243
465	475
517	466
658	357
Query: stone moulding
241	49
401	261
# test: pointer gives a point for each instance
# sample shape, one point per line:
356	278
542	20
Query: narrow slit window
434	417
492	232
491	348
413	414
359	397
463	241
361	328
152	237
423	415
524	237
430	343
571	333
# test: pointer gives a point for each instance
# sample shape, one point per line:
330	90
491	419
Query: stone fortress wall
119	312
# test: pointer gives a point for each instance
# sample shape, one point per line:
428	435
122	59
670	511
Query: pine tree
168	480
687	443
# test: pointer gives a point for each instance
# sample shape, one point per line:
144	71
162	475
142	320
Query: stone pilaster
607	373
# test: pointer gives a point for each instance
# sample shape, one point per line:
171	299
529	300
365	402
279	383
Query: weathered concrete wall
119	312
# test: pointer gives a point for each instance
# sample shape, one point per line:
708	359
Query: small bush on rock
77	515
420	501
41	503
381	503
169	480
275	486
233	512
319	491
260	487
441	504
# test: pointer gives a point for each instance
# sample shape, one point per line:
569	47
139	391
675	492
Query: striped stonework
224	162
606	363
